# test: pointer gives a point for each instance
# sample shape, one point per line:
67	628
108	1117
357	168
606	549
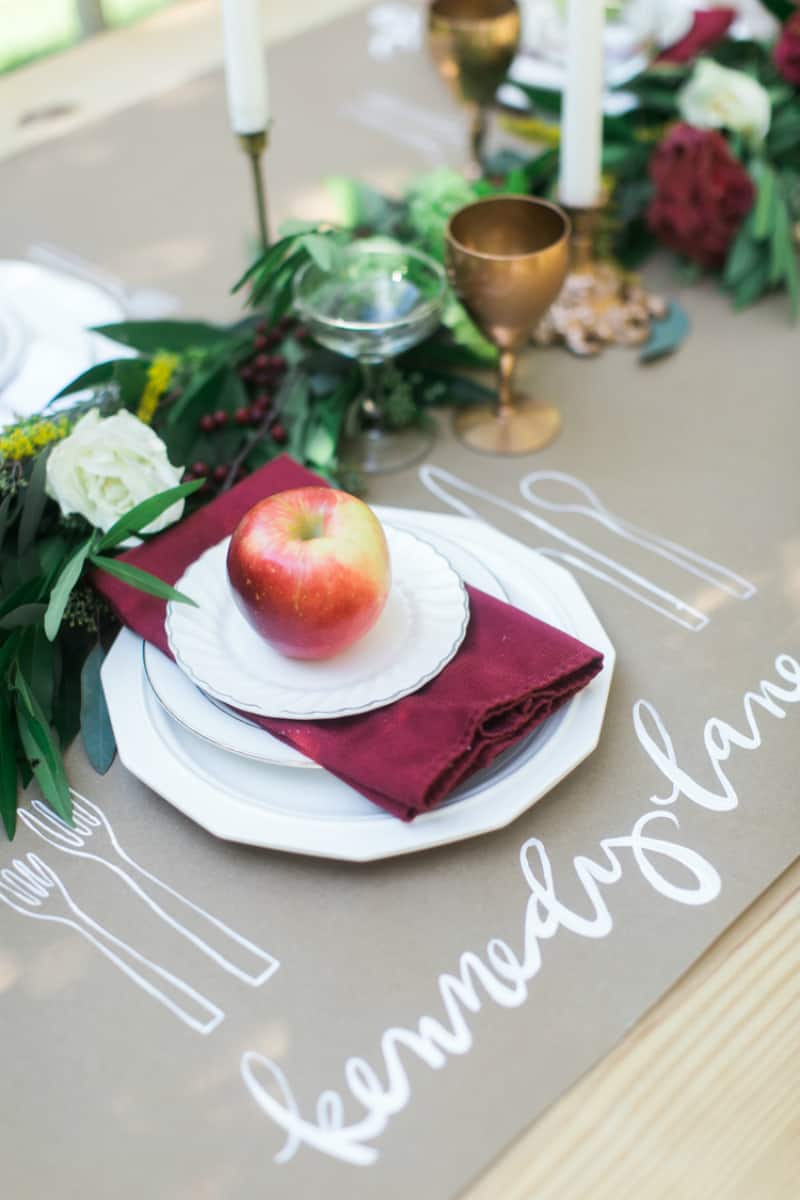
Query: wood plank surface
702	1099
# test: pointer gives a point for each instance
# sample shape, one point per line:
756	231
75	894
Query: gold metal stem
477	137
254	145
584	229
507	365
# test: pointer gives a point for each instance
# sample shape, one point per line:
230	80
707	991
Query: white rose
108	465
716	97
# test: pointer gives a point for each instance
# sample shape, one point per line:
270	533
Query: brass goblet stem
477	137
507	367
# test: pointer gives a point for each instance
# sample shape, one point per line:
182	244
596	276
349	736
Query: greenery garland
763	256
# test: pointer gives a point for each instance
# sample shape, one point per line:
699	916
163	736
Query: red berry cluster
260	373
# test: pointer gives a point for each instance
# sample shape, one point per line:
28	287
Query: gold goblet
473	43
507	257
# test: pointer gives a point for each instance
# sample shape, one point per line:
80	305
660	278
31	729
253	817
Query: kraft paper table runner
114	1095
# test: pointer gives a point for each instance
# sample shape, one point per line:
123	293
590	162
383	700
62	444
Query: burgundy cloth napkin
511	672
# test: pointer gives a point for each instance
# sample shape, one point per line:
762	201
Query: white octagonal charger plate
312	812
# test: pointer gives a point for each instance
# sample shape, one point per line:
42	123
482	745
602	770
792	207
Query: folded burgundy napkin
510	673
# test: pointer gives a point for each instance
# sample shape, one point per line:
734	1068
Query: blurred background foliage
30	29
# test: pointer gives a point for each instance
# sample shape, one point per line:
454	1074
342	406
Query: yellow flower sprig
28	438
159	375
532	129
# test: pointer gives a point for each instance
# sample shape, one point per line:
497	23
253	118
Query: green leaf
293	402
8	652
39	660
51	551
764	213
744	256
7	517
23	614
782	9
781	246
62	589
282	289
67	699
546	99
320	448
143	581
614	154
35	500
96	731
358	204
8	765
752	286
29	592
141	515
207	379
130	379
151	336
268	259
666	334
41	751
319	248
98	374
542	170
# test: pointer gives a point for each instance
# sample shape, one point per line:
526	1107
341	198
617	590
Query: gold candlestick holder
600	304
254	146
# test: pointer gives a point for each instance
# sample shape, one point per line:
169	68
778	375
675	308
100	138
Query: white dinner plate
416	635
231	731
312	812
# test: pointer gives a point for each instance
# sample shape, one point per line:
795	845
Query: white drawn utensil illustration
34	890
92	834
437	481
559	492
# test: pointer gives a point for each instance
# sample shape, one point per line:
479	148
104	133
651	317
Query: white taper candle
582	113
245	65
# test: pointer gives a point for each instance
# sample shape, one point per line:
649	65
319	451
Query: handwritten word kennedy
503	974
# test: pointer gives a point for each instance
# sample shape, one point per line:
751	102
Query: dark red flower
709	27
701	194
787	50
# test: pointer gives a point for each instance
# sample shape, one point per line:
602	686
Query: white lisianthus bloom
108	465
544	27
659	22
716	97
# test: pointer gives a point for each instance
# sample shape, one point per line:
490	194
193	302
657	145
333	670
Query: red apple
309	569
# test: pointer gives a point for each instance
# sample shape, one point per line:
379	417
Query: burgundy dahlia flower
787	50
702	193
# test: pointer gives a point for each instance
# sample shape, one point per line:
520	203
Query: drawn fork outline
32	883
88	817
